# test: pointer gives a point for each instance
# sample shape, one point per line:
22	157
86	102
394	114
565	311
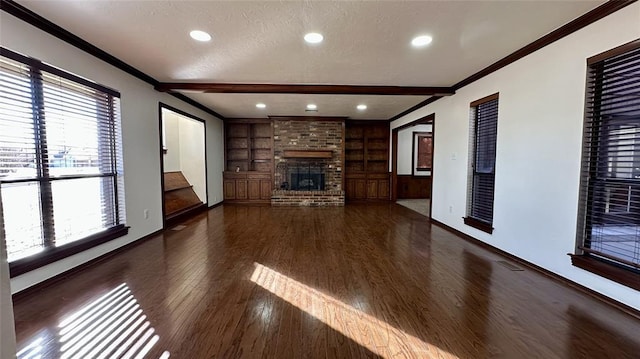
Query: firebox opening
303	176
307	181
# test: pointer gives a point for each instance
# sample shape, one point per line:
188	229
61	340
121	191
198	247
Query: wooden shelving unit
248	161
367	160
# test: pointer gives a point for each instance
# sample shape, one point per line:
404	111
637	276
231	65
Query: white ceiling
378	107
365	43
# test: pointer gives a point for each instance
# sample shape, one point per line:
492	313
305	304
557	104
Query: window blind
610	183
60	156
483	131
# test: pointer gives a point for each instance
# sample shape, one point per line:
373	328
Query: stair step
179	196
177	188
185	210
175	201
175	180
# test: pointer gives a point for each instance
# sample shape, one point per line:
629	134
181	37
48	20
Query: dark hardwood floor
370	280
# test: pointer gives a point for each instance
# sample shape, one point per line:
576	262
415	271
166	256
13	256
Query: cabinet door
361	189
350	189
229	189
383	189
372	189
265	189
254	189
241	189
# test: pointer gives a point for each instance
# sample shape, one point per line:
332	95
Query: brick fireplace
308	157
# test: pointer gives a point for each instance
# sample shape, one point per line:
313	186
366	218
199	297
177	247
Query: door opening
184	176
412	170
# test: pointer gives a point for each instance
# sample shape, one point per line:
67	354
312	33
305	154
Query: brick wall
310	135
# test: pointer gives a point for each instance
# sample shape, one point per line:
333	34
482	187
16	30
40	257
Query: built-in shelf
248	175
367	161
249	146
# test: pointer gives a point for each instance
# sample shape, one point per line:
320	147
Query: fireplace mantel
308	154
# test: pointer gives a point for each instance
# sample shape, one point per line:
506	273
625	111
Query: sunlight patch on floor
369	332
112	326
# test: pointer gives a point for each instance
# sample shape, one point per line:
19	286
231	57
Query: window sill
50	255
606	269
477	224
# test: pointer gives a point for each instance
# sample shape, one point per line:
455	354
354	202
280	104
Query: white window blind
482	155
610	184
60	157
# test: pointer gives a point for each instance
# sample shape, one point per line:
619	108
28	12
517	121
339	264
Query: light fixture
313	38
261	105
361	107
420	41
200	35
312	107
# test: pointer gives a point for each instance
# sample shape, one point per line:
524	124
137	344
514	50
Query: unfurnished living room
319	179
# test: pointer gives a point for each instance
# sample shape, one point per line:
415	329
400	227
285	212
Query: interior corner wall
215	161
172	142
140	134
405	143
540	117
192	155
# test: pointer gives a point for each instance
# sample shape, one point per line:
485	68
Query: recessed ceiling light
420	41
261	105
313	38
200	35
361	107
312	107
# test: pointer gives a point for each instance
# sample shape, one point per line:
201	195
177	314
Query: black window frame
483	121
52	253
598	163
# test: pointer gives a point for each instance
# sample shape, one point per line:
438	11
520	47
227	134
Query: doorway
184	175
412	170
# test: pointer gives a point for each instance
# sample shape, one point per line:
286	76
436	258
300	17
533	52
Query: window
609	222
61	181
423	147
482	162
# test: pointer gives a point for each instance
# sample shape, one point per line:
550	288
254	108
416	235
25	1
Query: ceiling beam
304	89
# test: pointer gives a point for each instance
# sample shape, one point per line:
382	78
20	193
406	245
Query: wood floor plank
360	281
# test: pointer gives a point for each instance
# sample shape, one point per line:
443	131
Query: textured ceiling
365	43
378	107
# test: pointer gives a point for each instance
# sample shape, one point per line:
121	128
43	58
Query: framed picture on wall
423	146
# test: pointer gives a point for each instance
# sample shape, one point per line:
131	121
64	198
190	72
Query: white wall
405	142
215	160
192	161
140	132
540	119
7	329
172	141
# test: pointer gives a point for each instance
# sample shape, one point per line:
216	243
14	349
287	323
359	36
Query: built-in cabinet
414	186
367	160
248	175
247	186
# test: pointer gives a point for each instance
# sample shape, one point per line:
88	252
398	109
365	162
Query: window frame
416	158
469	219
583	257
51	253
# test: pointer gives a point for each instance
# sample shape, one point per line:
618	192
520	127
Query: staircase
179	197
